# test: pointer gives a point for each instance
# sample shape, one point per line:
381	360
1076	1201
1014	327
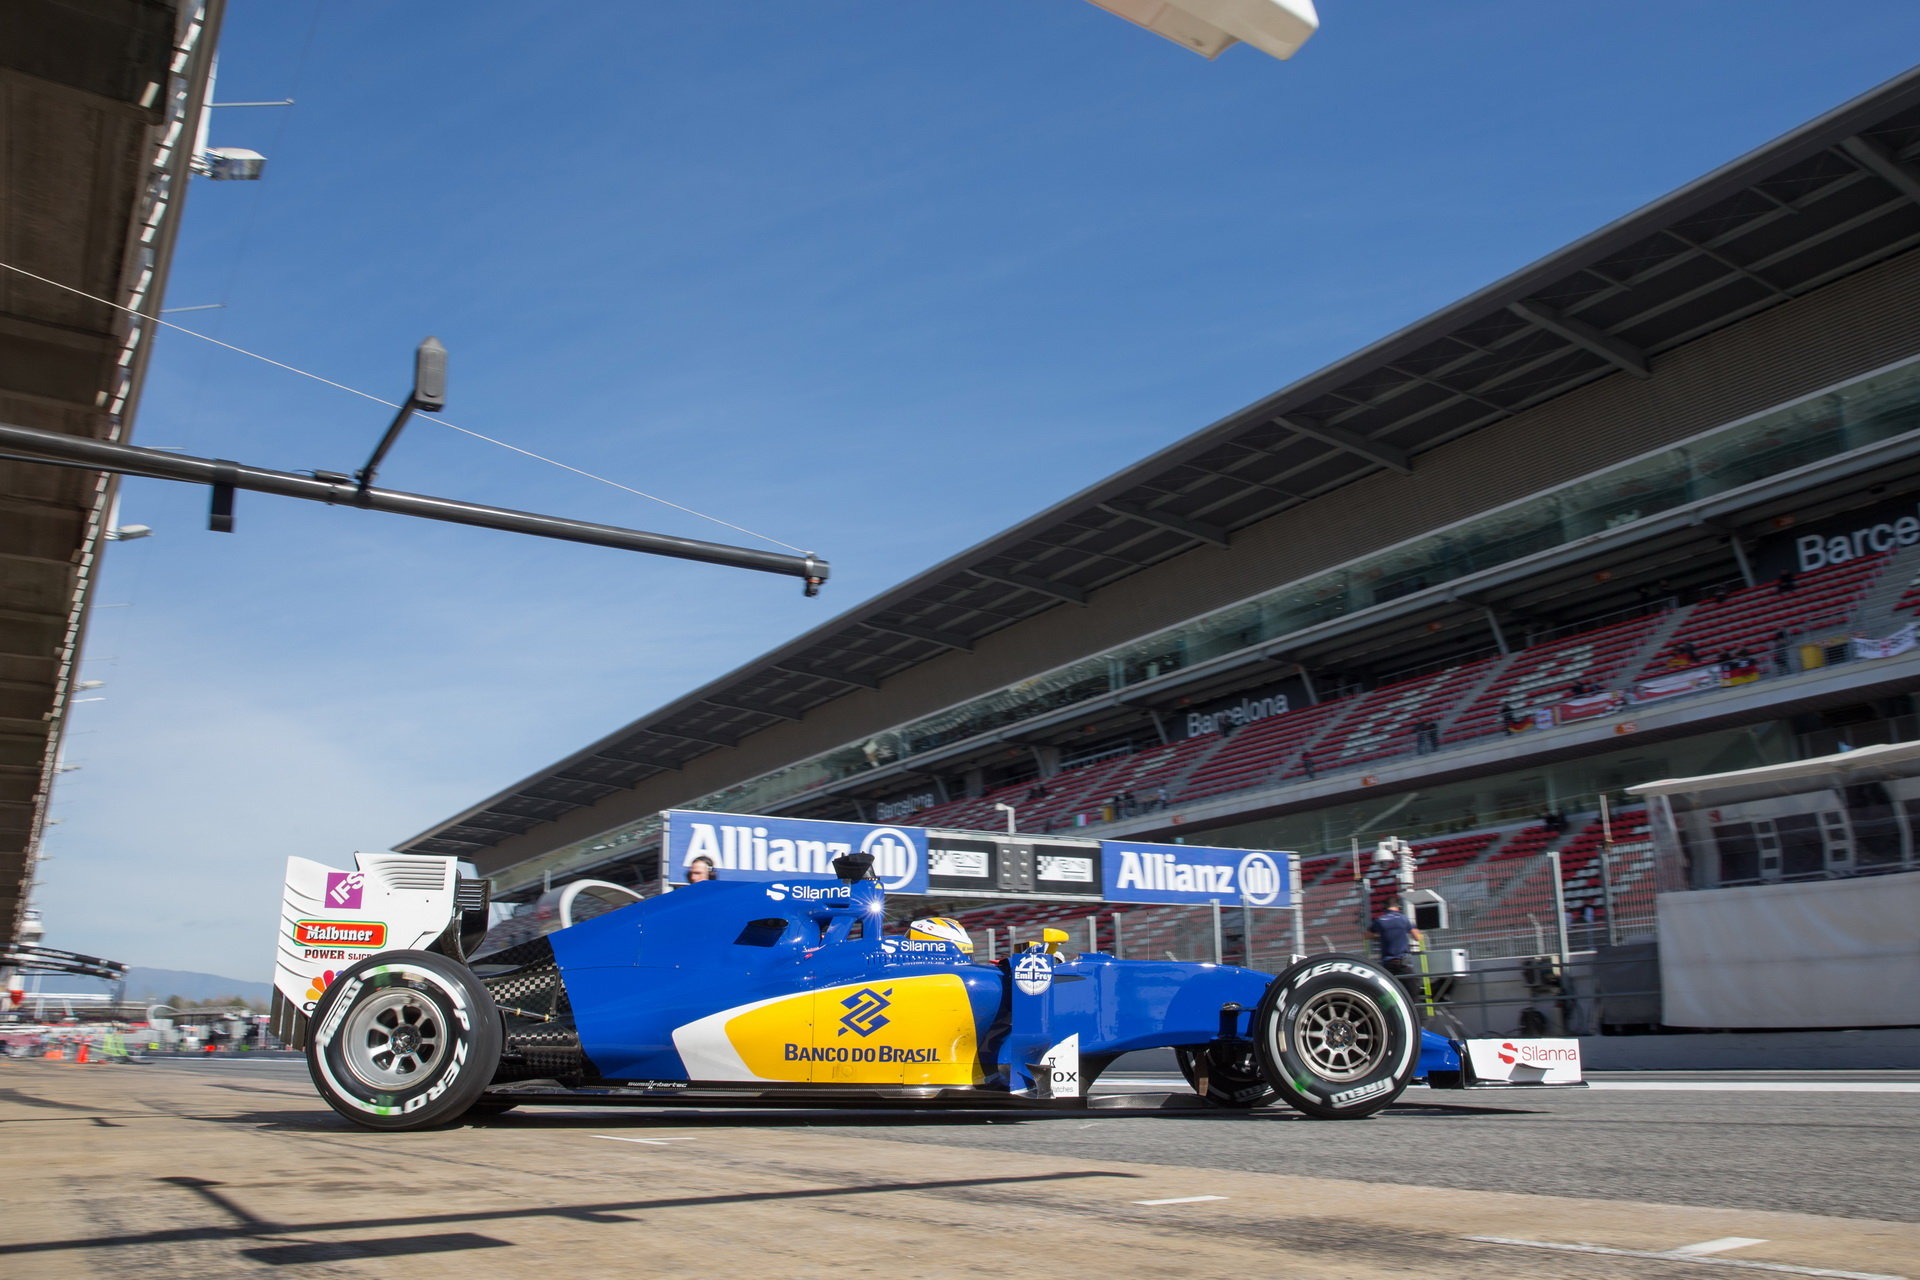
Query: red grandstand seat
1545	674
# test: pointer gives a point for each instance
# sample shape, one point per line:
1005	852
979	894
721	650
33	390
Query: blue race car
789	994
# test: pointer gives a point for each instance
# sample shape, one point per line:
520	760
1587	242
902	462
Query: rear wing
389	902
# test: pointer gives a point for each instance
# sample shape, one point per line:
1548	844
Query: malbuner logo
340	933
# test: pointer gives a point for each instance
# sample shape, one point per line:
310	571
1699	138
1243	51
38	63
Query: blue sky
877	279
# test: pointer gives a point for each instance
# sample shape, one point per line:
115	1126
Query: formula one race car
788	994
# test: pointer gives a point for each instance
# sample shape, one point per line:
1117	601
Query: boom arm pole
98	455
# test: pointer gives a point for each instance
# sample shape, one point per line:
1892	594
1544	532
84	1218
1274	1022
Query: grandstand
1645	508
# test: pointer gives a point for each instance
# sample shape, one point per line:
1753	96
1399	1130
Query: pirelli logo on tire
1347	1097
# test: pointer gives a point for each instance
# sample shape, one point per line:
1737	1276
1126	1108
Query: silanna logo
1535	1053
866	1011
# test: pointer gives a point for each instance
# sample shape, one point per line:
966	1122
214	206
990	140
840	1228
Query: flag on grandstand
1679	682
1588	706
1891	646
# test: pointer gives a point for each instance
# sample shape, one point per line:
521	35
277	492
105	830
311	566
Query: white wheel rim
1342	1035
394	1039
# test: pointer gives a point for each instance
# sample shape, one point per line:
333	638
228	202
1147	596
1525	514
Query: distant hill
153	985
157	984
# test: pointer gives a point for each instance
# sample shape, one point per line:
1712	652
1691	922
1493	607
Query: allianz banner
746	847
1194	875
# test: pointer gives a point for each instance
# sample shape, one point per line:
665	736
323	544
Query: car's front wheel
1336	1037
404	1040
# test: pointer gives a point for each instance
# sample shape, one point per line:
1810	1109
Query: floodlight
234	163
1276	27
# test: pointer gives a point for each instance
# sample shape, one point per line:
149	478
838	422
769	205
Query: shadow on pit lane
692	1116
586	1116
274	1246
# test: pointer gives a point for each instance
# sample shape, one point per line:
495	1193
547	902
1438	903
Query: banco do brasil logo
866	1011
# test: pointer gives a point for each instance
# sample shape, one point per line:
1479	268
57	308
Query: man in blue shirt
1395	935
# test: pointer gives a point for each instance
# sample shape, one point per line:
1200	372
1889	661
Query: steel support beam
854	681
1616	352
684	736
1493	625
1026	582
1200	529
1881	161
55	449
944	639
1376	451
742	706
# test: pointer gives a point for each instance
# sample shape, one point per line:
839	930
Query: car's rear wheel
1336	1037
404	1040
1225	1074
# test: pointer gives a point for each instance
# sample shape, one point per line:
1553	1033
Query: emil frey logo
1033	973
866	1011
343	889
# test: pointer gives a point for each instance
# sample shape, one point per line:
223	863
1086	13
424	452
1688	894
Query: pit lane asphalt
1774	1140
205	1170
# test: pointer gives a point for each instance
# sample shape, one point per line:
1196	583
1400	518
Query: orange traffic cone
80	1059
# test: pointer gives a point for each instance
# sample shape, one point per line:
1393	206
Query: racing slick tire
1336	1037
1225	1075
404	1040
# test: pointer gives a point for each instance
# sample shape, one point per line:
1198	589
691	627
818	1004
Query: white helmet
941	929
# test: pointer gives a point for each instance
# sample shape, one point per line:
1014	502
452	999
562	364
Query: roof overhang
101	101
1830	198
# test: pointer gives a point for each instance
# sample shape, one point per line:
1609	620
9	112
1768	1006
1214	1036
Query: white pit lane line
1645	1086
1682	1254
1721	1245
1181	1200
653	1142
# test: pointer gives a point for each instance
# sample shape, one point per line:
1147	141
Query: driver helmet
941	929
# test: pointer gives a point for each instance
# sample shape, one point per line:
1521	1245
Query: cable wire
368	395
